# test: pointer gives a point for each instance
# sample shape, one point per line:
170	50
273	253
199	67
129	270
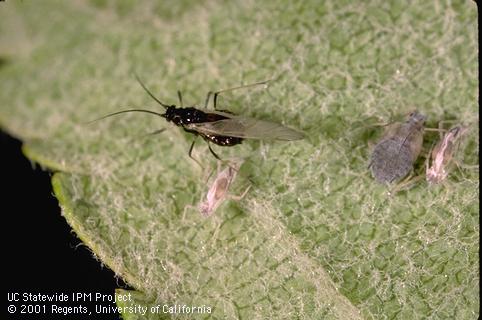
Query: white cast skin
442	155
218	191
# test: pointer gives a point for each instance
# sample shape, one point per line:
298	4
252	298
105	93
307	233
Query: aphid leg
190	151
180	98
461	167
216	93
187	207
406	183
207	100
458	163
192	146
464	166
241	196
440	126
213	153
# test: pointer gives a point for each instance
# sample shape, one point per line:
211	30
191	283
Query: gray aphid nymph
393	157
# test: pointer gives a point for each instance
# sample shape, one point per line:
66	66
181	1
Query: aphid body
393	157
218	191
442	155
188	117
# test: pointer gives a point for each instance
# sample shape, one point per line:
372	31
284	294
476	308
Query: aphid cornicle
219	127
393	157
442	155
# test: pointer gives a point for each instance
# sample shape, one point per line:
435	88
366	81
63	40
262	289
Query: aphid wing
247	128
416	144
221	113
410	135
260	129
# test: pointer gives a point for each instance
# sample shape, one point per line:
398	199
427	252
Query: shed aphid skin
219	126
441	157
218	190
393	157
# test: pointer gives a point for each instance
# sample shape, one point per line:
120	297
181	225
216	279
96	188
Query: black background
41	252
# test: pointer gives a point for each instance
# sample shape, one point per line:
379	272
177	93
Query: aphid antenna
150	93
245	86
230	89
403	185
391	122
126	111
143	136
377	124
153	133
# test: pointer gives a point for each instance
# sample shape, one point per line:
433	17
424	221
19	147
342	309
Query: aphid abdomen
224	141
391	160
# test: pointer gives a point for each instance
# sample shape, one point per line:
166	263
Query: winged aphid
222	128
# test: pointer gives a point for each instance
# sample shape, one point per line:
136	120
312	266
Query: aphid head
417	118
184	116
170	113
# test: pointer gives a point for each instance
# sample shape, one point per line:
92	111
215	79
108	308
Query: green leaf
315	237
136	306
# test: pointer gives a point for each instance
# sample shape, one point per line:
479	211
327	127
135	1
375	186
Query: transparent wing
249	128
